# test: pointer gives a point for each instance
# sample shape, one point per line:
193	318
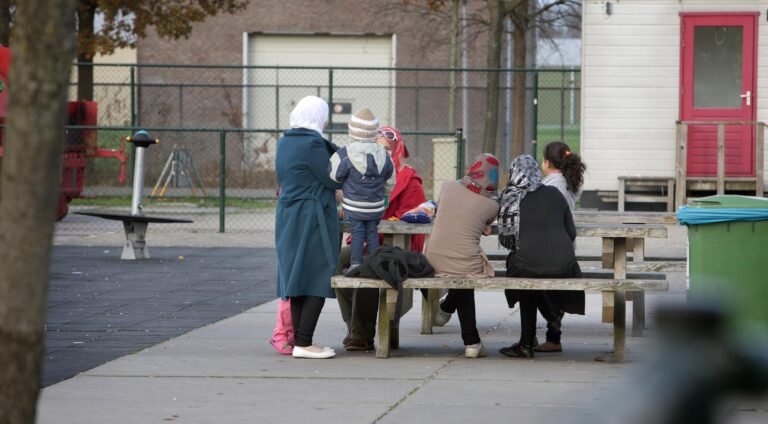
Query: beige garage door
272	93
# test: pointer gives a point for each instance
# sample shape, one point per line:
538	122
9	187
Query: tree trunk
86	13
493	61
518	80
5	22
44	47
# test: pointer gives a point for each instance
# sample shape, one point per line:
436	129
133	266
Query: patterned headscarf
524	177
483	176
398	149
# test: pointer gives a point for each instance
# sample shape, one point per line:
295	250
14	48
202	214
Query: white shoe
441	317
305	352
476	350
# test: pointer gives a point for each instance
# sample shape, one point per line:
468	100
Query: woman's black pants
305	311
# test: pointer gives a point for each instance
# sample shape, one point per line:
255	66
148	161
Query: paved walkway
226	372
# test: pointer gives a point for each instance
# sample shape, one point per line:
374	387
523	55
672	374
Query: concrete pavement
226	372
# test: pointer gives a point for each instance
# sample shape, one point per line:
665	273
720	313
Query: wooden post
620	258
670	194
681	172
619	326
720	158
608	262
622	193
637	297
428	306
382	349
638	313
394	320
759	153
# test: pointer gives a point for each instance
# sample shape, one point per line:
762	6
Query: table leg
394	320
428	306
608	263
638	313
607	253
671	195
135	240
620	258
638	297
382	348
619	326
638	250
622	192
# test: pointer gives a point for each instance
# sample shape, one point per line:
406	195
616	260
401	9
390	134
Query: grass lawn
570	136
205	202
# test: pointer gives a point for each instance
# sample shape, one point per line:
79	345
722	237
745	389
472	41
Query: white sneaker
316	353
440	318
476	350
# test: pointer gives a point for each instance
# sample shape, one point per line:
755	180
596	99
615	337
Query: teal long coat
307	222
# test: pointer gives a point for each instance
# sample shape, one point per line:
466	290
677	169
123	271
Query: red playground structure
80	144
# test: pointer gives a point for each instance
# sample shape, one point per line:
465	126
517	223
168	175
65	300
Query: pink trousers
282	337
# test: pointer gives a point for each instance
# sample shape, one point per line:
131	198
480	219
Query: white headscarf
311	113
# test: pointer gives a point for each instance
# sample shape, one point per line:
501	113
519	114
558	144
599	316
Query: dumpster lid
729	201
723	208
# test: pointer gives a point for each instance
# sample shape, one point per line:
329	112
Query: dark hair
569	163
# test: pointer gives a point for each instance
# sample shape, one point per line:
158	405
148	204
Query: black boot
517	350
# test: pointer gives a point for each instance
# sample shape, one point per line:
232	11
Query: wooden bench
643	190
388	296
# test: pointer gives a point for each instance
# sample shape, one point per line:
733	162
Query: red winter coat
407	194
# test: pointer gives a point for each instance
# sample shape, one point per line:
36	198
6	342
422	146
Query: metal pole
459	153
222	178
132	159
507	90
277	98
572	99
535	116
454	63
562	107
133	96
138	182
330	103
464	74
181	106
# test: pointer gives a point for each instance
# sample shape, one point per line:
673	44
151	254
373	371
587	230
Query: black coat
394	265
545	247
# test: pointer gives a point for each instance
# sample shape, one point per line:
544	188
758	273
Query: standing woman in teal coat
306	224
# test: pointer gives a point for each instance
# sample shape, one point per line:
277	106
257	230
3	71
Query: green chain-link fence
218	127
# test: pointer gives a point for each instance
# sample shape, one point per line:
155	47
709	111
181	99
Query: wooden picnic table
615	240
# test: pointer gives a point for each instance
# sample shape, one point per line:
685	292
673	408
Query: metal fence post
535	116
459	153
181	106
330	103
132	159
562	108
222	178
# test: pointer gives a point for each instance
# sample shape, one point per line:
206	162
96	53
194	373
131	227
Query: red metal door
718	72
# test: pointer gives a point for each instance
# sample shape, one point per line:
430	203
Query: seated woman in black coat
536	225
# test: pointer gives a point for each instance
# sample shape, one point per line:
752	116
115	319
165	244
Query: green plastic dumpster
728	256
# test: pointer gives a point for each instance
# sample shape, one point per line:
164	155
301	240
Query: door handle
747	96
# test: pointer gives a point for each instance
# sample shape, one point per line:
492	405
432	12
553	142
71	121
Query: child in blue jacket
368	174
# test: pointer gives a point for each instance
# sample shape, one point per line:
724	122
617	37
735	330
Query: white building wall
630	78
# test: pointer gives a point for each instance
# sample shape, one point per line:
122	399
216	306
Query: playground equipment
80	144
136	223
